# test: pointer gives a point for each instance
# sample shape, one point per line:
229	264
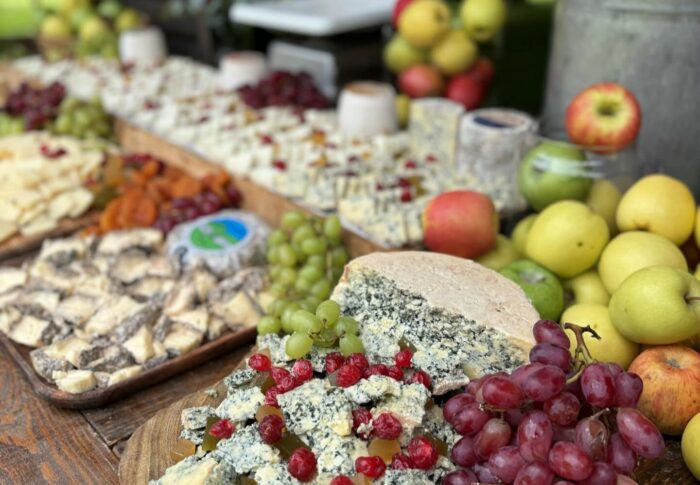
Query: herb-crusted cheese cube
408	406
315	405
239	378
196	418
275	475
372	388
403	477
246	451
241	404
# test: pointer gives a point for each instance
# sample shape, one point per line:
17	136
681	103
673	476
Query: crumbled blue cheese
239	378
317	357
314	405
275	475
195	436
241	404
246	451
335	454
372	388
441	468
404	477
195	471
196	418
434	422
275	344
408	406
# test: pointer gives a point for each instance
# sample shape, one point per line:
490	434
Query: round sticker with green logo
218	234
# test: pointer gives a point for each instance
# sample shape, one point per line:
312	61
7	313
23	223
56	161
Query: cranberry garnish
431	158
333	361
386	426
302	464
406	195
279	373
348	375
358	360
303	370
422	378
266	139
411	164
395	373
49	153
287	384
371	466
403	358
401	461
422	453
222	429
379	186
376	370
270	428
260	362
271	396
404	182
360	416
280	165
342	480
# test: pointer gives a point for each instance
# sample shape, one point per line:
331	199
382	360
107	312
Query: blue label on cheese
218	234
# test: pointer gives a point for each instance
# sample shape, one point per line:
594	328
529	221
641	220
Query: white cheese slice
123	374
29	331
140	345
77	381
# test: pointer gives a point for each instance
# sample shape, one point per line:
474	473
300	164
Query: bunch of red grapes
185	209
556	420
38	106
283	88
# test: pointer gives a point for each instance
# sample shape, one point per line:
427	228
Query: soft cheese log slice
463	319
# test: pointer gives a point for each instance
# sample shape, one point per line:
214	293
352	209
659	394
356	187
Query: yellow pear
697	227
424	22
567	238
521	232
455	53
690	446
501	255
587	288
483	19
659	204
632	251
612	346
603	198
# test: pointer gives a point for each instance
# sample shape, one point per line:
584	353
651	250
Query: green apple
657	305
93	28
502	255
482	19
399	55
403	109
424	22
587	288
109	8
551	172
54	27
521	232
128	19
455	53
78	15
540	285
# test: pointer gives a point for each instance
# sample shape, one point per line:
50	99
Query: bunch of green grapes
10	125
82	119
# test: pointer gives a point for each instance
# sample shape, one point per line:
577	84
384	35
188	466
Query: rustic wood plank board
100	397
40	443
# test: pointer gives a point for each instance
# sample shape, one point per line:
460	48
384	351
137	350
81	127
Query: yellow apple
521	232
697	227
659	204
603	198
54	27
482	19
423	23
502	255
399	55
567	238
612	346
455	53
657	305
587	288
632	251
690	446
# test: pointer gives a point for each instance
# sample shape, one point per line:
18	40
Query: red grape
602	474
506	463
470	419
537	473
544	383
562	433
459	477
484	474
501	392
639	433
562	409
614	368
534	436
564	482
455	404
463	453
625	480
521	373
598	385
592	437
513	417
550	354
628	388
550	332
473	386
569	461
574	387
494	435
620	455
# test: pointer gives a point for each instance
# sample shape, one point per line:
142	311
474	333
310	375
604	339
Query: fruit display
36	106
436	53
99	311
82	119
392	414
283	88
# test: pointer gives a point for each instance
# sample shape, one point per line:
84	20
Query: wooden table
40	443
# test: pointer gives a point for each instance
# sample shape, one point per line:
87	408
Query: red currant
271	396
348	375
259	362
360	416
422	378
403	358
358	360
395	372
270	428
287	384
279	374
422	453
222	429
303	370
401	461
342	480
302	464
371	466
386	426
376	370
333	361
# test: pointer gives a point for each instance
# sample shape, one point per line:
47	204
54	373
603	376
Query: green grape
346	326
278	289
287	256
303	285
276	238
314	246
332	228
286	317
269	324
62	125
336	273
328	312
350	344
307	305
321	289
313	302
293	219
305	321
277	307
339	257
303	232
326	338
298	345
273	255
300	254
310	273
274	271
287	276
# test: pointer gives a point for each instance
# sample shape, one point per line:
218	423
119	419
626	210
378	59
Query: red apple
461	223
482	70
398	8
466	90
671	395
605	117
420	81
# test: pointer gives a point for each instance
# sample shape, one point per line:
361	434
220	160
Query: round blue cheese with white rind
223	242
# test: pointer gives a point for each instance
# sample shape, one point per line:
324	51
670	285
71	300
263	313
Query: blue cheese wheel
223	242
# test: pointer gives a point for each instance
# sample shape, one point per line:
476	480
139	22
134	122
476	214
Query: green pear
455	53
657	305
483	19
502	255
54	27
539	284
92	28
399	55
587	288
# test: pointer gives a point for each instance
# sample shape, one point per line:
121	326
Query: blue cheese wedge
373	388
195	471
245	451
315	404
408	406
275	475
405	477
335	454
241	404
239	378
196	418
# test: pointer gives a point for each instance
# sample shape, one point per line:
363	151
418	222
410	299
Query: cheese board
99	397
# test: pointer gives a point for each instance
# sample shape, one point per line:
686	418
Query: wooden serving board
99	397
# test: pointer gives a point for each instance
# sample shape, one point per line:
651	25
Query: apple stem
692	298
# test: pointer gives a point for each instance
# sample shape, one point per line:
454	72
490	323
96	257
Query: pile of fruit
82	119
35	106
139	191
434	54
283	88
